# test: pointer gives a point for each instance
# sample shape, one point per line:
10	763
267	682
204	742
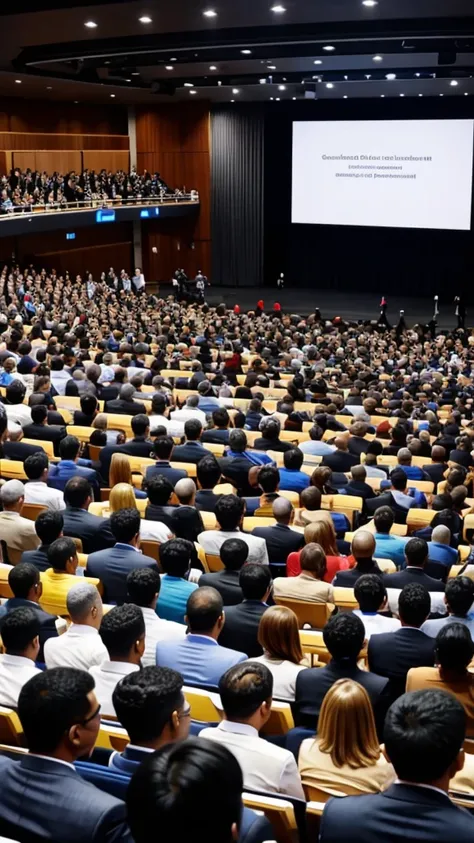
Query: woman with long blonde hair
279	638
323	533
122	496
345	758
120	472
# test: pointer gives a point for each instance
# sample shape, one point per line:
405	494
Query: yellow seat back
314	614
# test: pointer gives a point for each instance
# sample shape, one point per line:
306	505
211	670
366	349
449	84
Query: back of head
49	525
255	580
416	552
313	559
121	629
35	465
344	636
237	440
203	609
229	510
22	578
81	600
163	447
441	534
159	490
244	688
60	552
414	604
404	456
358	473
185	490
69	447
383	519
127	391
143	585
175	557
310	499
77	491
19	629
11	492
195	778
346	726
192	429
234	554
278	634
459	595
122	496
220	417
208	472
454	648
370	593
145	701
270	428
39	413
125	525
423	734
140	424
269	479
119	471
15	392
293	459
282	510
398	479
363	545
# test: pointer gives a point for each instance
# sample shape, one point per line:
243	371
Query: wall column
137	245
132	134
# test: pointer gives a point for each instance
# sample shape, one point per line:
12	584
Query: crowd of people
280	458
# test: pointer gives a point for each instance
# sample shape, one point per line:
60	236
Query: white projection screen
390	173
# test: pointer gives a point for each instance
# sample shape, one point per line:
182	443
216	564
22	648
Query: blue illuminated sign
71	235
144	215
151	212
105	215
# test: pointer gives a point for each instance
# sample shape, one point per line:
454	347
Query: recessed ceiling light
173	58
112	95
236	90
293	98
213	67
49	88
370	3
282	87
417	75
263	81
188	85
246	52
391	76
128	80
76	102
329	85
466	94
136	73
271	66
368	76
18	81
454	83
317	61
271	98
382	95
91	24
329	48
420	95
278	9
346	78
441	95
169	67
210	13
377	58
402	95
193	92
345	97
145	19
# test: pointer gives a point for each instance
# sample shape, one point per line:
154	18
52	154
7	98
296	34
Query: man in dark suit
392	654
344	638
357	444
438	467
49	527
281	539
233	553
139	446
341	460
187	521
124	404
236	465
192	450
24	581
43	796
357	486
208	475
15	449
423	737
160	491
89	409
40	429
93	531
113	565
242	621
416	552
69	467
396	498
269	441
163	449
363	549
219	434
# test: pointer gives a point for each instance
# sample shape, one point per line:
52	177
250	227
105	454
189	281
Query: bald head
341	443
204	611
363	545
358	473
438	454
185	491
441	534
282	510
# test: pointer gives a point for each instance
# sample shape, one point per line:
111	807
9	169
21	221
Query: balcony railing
98	204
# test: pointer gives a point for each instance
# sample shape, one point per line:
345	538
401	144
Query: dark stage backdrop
380	260
237	139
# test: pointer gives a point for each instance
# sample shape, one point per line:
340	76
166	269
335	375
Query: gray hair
192	400
404	454
81	598
238	440
269	423
127	392
441	534
185	488
11	492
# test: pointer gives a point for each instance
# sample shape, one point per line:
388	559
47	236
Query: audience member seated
175	560
388	546
120	472
68	467
192	450
357	444
36	490
208	476
292	479
344	757
163	451
316	447
321	532
462	453
112	565
81	646
363	550
24	581
246	695
187	521
143	587
89	409
15	449
20	630
219	434
280	539
416	553
233	554
125	403
122	631
459	597
357	485
392	654
229	512
413	472
60	576
94	531
397	497
18	414
371	595
308	586
423	738
206	780
311	501
438	467
41	430
265	480
190	412
439	549
235	466
242	621
122	497
139	446
279	637
341	460
160	492
344	637
270	428
17	534
199	657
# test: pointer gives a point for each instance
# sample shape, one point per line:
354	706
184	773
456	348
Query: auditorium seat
32	510
344	598
150	548
279	812
80	432
314	614
11	731
104	778
214	563
419	518
47	447
209	520
12	470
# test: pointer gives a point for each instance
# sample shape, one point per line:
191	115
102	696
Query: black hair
145	700
293	459
459	595
35	465
208	472
414	604
121	628
194	778
159	490
18	629
229	510
203	609
268	479
192	429
370	592
88	404
15	392
143	584
49	525
69	447
39	412
22	578
255	580
220	417
416	552
125	524
398	479
140	423
76	491
175	557
158	404
344	636
234	553
60	551
50	703
243	688
454	647
163	446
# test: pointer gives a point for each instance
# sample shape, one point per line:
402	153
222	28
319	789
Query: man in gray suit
43	796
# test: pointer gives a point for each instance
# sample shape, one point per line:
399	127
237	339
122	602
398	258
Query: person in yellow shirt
61	576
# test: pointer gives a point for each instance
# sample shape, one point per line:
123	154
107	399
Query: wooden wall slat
23	141
106	159
22	115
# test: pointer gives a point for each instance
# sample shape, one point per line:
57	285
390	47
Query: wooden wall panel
61	161
23	141
21	115
109	159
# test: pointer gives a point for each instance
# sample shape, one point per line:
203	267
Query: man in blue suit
71	466
424	734
43	797
198	657
113	565
24	581
192	450
163	449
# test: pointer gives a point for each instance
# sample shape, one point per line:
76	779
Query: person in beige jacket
308	585
18	533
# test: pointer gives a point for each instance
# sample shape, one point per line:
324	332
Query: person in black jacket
357	444
234	554
40	429
89	409
49	527
125	403
163	450
392	654
416	552
15	449
159	491
341	460
242	621
187	522
24	581
94	531
281	540
270	428
208	475
139	446
363	549
219	434
192	450
438	467
357	486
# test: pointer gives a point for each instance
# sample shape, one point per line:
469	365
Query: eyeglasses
92	717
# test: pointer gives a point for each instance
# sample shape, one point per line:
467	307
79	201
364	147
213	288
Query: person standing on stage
383	313
281	281
260	307
201	284
138	280
460	311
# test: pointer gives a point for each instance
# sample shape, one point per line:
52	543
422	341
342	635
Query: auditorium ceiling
236	50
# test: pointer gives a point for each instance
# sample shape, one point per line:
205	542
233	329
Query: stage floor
332	303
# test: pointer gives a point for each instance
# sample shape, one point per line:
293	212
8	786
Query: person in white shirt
123	633
20	636
36	490
229	512
17	412
158	418
371	595
143	586
279	637
190	411
59	375
138	280
81	646
246	696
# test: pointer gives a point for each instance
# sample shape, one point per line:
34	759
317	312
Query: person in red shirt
260	307
277	307
323	533
237	308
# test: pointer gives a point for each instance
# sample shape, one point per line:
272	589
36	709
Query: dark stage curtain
237	196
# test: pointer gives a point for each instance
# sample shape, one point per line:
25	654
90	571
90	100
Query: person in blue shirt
439	549
70	465
459	597
413	472
175	559
207	398
292	479
386	545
